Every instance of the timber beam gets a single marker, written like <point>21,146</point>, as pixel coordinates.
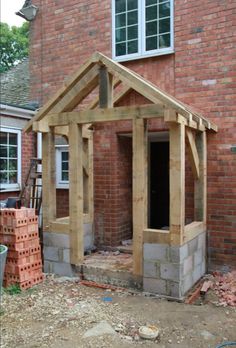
<point>194,158</point>
<point>99,115</point>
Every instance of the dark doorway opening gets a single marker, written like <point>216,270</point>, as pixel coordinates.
<point>159,185</point>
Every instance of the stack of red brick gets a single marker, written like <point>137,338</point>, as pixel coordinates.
<point>19,232</point>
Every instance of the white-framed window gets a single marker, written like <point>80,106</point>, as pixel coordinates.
<point>62,166</point>
<point>10,159</point>
<point>142,28</point>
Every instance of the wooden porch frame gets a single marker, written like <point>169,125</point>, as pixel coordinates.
<point>115,81</point>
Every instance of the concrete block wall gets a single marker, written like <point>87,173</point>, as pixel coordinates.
<point>173,270</point>
<point>56,251</point>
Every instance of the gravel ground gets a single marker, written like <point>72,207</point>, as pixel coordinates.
<point>59,312</point>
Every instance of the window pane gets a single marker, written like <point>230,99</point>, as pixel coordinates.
<point>151,43</point>
<point>3,177</point>
<point>13,151</point>
<point>164,25</point>
<point>12,164</point>
<point>3,151</point>
<point>164,41</point>
<point>64,156</point>
<point>132,17</point>
<point>120,35</point>
<point>12,139</point>
<point>151,28</point>
<point>12,177</point>
<point>3,138</point>
<point>164,10</point>
<point>64,176</point>
<point>132,4</point>
<point>133,46</point>
<point>151,2</point>
<point>120,49</point>
<point>65,165</point>
<point>3,164</point>
<point>133,32</point>
<point>120,20</point>
<point>120,6</point>
<point>151,13</point>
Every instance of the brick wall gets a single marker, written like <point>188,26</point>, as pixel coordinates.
<point>201,73</point>
<point>62,203</point>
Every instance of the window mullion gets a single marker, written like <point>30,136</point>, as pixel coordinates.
<point>141,8</point>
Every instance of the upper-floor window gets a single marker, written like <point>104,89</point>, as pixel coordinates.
<point>10,158</point>
<point>62,166</point>
<point>142,28</point>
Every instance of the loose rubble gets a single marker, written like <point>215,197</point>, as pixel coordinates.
<point>63,312</point>
<point>225,288</point>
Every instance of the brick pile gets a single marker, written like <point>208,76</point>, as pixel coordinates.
<point>19,232</point>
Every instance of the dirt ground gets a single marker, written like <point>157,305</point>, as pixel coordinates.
<point>59,312</point>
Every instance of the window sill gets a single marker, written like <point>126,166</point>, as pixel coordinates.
<point>3,190</point>
<point>62,187</point>
<point>147,55</point>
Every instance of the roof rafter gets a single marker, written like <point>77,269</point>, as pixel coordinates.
<point>86,79</point>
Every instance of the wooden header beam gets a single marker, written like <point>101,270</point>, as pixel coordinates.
<point>99,115</point>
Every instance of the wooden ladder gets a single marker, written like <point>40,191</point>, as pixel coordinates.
<point>31,193</point>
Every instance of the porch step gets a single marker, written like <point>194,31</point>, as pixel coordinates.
<point>122,279</point>
<point>109,269</point>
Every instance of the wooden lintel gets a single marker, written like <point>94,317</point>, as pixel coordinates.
<point>105,88</point>
<point>200,185</point>
<point>194,159</point>
<point>177,182</point>
<point>140,160</point>
<point>76,194</point>
<point>106,115</point>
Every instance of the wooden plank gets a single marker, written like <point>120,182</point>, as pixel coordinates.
<point>193,229</point>
<point>63,90</point>
<point>48,178</point>
<point>85,175</point>
<point>76,194</point>
<point>194,158</point>
<point>59,227</point>
<point>79,91</point>
<point>90,178</point>
<point>105,88</point>
<point>200,185</point>
<point>105,115</point>
<point>156,236</point>
<point>139,191</point>
<point>177,182</point>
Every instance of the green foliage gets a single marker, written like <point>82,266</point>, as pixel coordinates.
<point>14,45</point>
<point>13,290</point>
<point>1,248</point>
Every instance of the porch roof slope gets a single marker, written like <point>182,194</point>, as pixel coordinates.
<point>132,81</point>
